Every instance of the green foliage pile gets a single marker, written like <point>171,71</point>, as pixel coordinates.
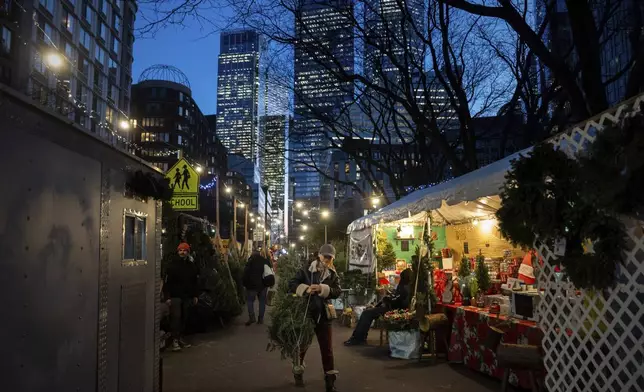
<point>358,281</point>
<point>237,262</point>
<point>215,277</point>
<point>341,263</point>
<point>290,328</point>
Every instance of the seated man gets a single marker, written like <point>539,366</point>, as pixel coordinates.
<point>399,300</point>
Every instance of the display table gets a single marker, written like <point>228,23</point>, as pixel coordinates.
<point>468,337</point>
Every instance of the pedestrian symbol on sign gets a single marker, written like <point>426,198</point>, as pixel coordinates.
<point>177,179</point>
<point>186,177</point>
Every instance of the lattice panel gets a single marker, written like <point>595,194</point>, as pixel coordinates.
<point>594,341</point>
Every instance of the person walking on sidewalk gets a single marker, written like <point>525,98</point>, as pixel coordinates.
<point>254,283</point>
<point>181,289</point>
<point>318,283</point>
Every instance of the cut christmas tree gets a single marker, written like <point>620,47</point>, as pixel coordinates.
<point>291,329</point>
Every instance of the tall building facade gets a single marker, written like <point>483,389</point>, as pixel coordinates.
<point>74,57</point>
<point>318,94</point>
<point>216,151</point>
<point>624,19</point>
<point>168,119</point>
<point>276,173</point>
<point>391,41</point>
<point>240,96</point>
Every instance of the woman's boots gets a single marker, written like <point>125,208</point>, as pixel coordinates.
<point>329,381</point>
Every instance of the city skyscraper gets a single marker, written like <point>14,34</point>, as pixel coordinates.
<point>394,57</point>
<point>317,91</point>
<point>616,48</point>
<point>74,57</point>
<point>391,39</point>
<point>240,95</point>
<point>276,129</point>
<point>276,94</point>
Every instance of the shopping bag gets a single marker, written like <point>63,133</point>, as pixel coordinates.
<point>268,277</point>
<point>404,344</point>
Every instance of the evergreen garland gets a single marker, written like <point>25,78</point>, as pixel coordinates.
<point>551,196</point>
<point>290,328</point>
<point>482,275</point>
<point>152,185</point>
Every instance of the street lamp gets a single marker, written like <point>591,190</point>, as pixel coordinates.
<point>305,228</point>
<point>124,125</point>
<point>240,204</point>
<point>325,214</point>
<point>228,189</point>
<point>305,213</point>
<point>301,238</point>
<point>54,60</point>
<point>375,201</point>
<point>199,169</point>
<point>299,204</point>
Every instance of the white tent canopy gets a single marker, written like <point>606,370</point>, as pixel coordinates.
<point>485,183</point>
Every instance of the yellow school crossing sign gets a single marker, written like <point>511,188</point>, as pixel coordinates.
<point>184,182</point>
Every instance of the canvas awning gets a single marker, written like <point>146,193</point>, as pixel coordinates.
<point>484,182</point>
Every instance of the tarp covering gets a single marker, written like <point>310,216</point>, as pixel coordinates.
<point>486,181</point>
<point>361,255</point>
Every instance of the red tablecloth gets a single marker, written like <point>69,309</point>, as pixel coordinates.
<point>469,333</point>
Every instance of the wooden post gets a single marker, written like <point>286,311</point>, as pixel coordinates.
<point>217,204</point>
<point>246,226</point>
<point>233,234</point>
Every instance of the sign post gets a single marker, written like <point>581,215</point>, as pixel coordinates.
<point>184,182</point>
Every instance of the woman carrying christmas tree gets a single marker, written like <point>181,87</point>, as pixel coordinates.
<point>318,284</point>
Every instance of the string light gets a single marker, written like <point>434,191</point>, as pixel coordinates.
<point>210,185</point>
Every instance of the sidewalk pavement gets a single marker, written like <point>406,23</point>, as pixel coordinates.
<point>235,360</point>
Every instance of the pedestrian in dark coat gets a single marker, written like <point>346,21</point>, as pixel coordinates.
<point>253,281</point>
<point>180,290</point>
<point>318,284</point>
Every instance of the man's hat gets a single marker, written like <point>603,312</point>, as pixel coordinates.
<point>183,246</point>
<point>327,250</point>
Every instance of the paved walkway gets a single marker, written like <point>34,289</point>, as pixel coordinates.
<point>235,360</point>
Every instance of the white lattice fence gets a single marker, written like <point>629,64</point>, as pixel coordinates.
<point>594,341</point>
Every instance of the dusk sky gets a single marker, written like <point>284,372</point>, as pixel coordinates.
<point>188,50</point>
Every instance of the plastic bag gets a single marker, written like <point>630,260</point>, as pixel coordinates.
<point>404,344</point>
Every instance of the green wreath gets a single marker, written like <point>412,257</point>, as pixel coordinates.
<point>550,196</point>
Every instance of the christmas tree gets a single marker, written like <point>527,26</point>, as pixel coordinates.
<point>387,258</point>
<point>482,274</point>
<point>464,270</point>
<point>291,329</point>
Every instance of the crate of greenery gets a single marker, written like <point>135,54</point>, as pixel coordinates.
<point>402,329</point>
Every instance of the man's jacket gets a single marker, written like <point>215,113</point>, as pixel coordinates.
<point>182,279</point>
